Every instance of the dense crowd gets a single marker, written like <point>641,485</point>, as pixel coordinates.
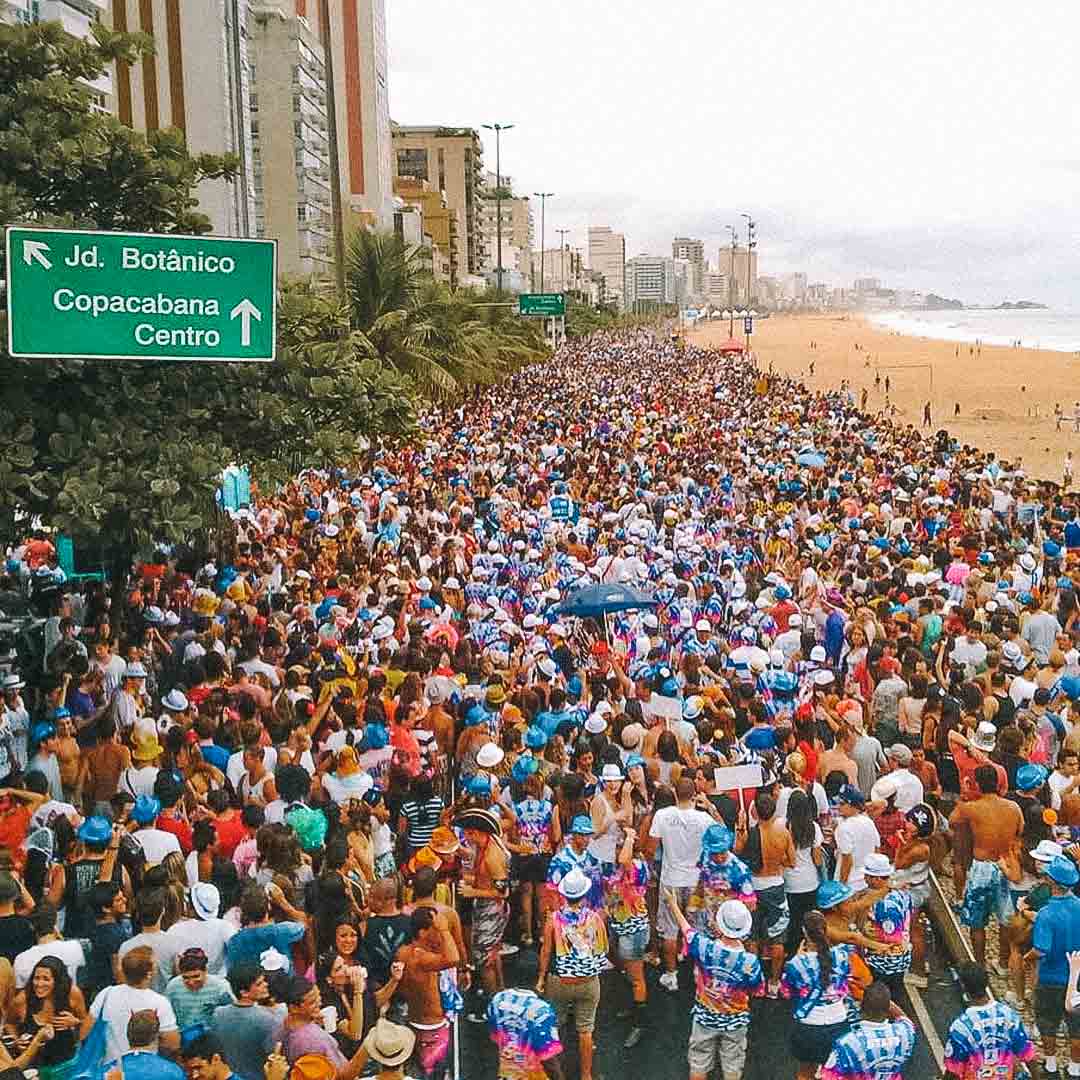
<point>286,814</point>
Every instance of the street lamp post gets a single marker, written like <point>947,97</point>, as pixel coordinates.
<point>498,129</point>
<point>543,196</point>
<point>751,243</point>
<point>731,285</point>
<point>562,258</point>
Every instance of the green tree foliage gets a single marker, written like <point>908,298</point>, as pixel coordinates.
<point>130,451</point>
<point>446,342</point>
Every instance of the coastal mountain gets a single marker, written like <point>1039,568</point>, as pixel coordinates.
<point>941,303</point>
<point>1021,305</point>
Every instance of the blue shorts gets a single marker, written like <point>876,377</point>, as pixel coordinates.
<point>987,894</point>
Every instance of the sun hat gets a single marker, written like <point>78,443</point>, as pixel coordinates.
<point>632,736</point>
<point>634,761</point>
<point>147,747</point>
<point>272,960</point>
<point>1013,656</point>
<point>523,768</point>
<point>175,701</point>
<point>312,1067</point>
<point>145,810</point>
<point>1045,851</point>
<point>478,785</point>
<point>389,1044</point>
<point>823,677</point>
<point>1030,777</point>
<point>794,619</point>
<point>495,695</point>
<point>830,894</point>
<point>877,865</point>
<point>717,839</point>
<point>536,738</point>
<point>12,682</point>
<point>985,737</point>
<point>611,773</point>
<point>489,755</point>
<point>135,670</point>
<point>582,826</point>
<point>95,831</point>
<point>479,820</point>
<point>596,724</point>
<point>817,654</point>
<point>205,900</point>
<point>547,667</point>
<point>1063,872</point>
<point>734,920</point>
<point>475,715</point>
<point>574,885</point>
<point>693,707</point>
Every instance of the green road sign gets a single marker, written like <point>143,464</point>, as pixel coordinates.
<point>543,303</point>
<point>134,296</point>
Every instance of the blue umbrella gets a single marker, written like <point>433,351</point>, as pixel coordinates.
<point>811,458</point>
<point>593,601</point>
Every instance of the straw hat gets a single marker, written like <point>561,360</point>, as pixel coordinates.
<point>389,1044</point>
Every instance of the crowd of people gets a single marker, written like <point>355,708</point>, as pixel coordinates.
<point>290,813</point>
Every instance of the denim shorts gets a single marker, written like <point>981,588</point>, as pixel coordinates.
<point>632,946</point>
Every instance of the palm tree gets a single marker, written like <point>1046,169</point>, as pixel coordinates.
<point>444,341</point>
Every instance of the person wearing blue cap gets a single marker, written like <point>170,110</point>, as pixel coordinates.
<point>155,843</point>
<point>1054,936</point>
<point>575,854</point>
<point>724,876</point>
<point>44,745</point>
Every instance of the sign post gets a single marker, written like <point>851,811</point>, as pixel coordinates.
<point>132,296</point>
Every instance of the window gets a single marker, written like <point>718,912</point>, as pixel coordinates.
<point>413,163</point>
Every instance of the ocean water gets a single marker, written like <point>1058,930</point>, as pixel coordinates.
<point>1056,330</point>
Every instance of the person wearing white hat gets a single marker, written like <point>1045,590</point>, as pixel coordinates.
<point>726,976</point>
<point>573,952</point>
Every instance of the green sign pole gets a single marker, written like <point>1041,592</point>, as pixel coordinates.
<point>136,296</point>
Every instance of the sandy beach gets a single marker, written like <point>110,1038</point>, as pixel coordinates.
<point>1006,396</point>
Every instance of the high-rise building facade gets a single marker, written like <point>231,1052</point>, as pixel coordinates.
<point>741,269</point>
<point>198,79</point>
<point>646,280</point>
<point>451,161</point>
<point>357,34</point>
<point>290,139</point>
<point>693,251</point>
<point>439,224</point>
<point>607,257</point>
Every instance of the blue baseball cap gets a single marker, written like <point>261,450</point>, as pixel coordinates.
<point>523,768</point>
<point>850,795</point>
<point>1030,777</point>
<point>476,714</point>
<point>536,738</point>
<point>145,810</point>
<point>95,831</point>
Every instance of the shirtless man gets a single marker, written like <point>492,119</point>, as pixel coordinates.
<point>431,951</point>
<point>70,759</point>
<point>490,891</point>
<point>424,885</point>
<point>995,825</point>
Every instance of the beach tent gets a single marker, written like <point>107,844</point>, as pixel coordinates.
<point>602,599</point>
<point>731,346</point>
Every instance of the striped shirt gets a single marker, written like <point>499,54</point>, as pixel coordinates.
<point>423,818</point>
<point>987,1035</point>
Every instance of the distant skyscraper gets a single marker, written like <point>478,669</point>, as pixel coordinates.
<point>607,256</point>
<point>693,251</point>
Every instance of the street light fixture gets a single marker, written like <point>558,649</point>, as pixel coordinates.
<point>543,196</point>
<point>498,129</point>
<point>751,243</point>
<point>562,258</point>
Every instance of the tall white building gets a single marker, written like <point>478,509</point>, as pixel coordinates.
<point>77,17</point>
<point>607,257</point>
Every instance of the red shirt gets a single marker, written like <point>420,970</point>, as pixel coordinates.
<point>166,822</point>
<point>231,832</point>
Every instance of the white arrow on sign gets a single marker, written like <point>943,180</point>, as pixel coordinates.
<point>247,311</point>
<point>33,251</point>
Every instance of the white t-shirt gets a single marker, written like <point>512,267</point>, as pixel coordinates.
<point>70,953</point>
<point>803,878</point>
<point>156,844</point>
<point>821,800</point>
<point>680,831</point>
<point>235,768</point>
<point>858,837</point>
<point>138,781</point>
<point>118,1003</point>
<point>210,935</point>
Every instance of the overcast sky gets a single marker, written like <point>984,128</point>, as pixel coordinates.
<point>935,145</point>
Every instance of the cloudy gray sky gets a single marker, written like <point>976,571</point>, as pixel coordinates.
<point>935,145</point>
